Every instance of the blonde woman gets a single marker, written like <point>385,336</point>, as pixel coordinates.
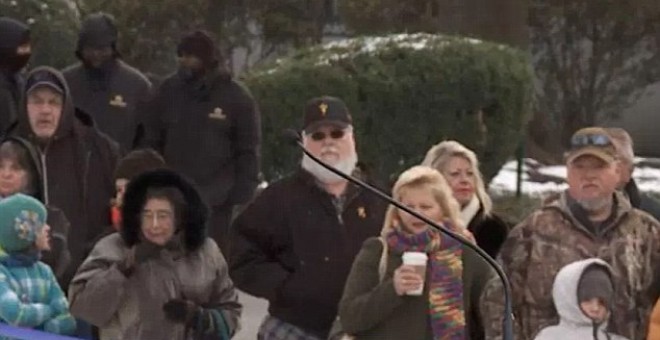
<point>460,167</point>
<point>375,307</point>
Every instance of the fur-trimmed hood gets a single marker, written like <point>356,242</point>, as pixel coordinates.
<point>194,217</point>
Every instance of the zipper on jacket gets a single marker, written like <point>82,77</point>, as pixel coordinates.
<point>88,156</point>
<point>339,203</point>
<point>348,199</point>
<point>42,155</point>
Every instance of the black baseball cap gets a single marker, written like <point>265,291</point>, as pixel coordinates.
<point>44,78</point>
<point>326,110</point>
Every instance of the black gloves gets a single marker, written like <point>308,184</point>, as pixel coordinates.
<point>144,251</point>
<point>183,311</point>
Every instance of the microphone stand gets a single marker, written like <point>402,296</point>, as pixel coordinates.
<point>507,326</point>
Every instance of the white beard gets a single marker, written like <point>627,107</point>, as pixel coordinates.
<point>595,205</point>
<point>345,166</point>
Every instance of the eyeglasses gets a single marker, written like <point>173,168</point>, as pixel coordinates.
<point>334,134</point>
<point>161,215</point>
<point>590,140</point>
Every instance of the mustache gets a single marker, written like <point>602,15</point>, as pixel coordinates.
<point>329,149</point>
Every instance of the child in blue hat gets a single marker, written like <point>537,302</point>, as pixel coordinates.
<point>29,293</point>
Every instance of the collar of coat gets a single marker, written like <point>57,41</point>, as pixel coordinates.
<point>622,207</point>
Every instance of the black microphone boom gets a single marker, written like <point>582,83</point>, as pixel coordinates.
<point>292,136</point>
<point>295,138</point>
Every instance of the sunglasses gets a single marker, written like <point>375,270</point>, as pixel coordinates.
<point>590,140</point>
<point>334,134</point>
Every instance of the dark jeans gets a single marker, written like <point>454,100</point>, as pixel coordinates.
<point>84,330</point>
<point>219,226</point>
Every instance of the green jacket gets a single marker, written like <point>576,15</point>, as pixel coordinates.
<point>371,309</point>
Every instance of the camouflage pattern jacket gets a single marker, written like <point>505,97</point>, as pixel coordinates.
<point>551,238</point>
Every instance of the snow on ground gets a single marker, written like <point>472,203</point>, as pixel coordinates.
<point>504,184</point>
<point>647,176</point>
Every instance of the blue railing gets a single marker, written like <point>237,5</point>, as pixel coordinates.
<point>10,332</point>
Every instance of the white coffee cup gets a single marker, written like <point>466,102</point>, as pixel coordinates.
<point>418,261</point>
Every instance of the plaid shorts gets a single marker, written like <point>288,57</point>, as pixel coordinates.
<point>275,329</point>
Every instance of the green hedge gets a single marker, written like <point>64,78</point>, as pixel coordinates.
<point>406,93</point>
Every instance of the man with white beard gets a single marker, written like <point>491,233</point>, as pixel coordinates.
<point>589,220</point>
<point>295,244</point>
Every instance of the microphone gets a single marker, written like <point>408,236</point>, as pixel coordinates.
<point>295,138</point>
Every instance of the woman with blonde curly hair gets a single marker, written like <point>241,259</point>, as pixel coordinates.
<point>378,300</point>
<point>460,167</point>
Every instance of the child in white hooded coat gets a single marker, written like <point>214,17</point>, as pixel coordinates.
<point>582,293</point>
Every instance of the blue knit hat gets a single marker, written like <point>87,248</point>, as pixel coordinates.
<point>21,219</point>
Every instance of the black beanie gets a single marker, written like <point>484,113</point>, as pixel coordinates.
<point>13,33</point>
<point>137,162</point>
<point>98,30</point>
<point>201,45</point>
<point>596,282</point>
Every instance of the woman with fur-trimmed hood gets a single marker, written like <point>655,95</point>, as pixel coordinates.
<point>460,167</point>
<point>160,277</point>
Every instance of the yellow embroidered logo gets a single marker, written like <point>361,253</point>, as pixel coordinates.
<point>362,212</point>
<point>324,108</point>
<point>118,101</point>
<point>217,114</point>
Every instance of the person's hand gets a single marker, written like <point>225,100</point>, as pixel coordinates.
<point>144,251</point>
<point>469,236</point>
<point>183,311</point>
<point>406,279</point>
<point>139,253</point>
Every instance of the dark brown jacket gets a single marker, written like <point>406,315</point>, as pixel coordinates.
<point>12,34</point>
<point>489,232</point>
<point>78,164</point>
<point>292,248</point>
<point>113,106</point>
<point>210,131</point>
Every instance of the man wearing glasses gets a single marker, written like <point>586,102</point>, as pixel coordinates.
<point>294,245</point>
<point>589,220</point>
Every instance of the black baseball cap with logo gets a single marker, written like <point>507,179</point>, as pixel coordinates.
<point>44,78</point>
<point>326,110</point>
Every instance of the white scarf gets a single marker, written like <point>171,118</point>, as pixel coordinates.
<point>470,211</point>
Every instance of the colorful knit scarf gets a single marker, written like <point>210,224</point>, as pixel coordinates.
<point>444,278</point>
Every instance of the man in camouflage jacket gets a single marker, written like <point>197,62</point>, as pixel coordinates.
<point>589,220</point>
